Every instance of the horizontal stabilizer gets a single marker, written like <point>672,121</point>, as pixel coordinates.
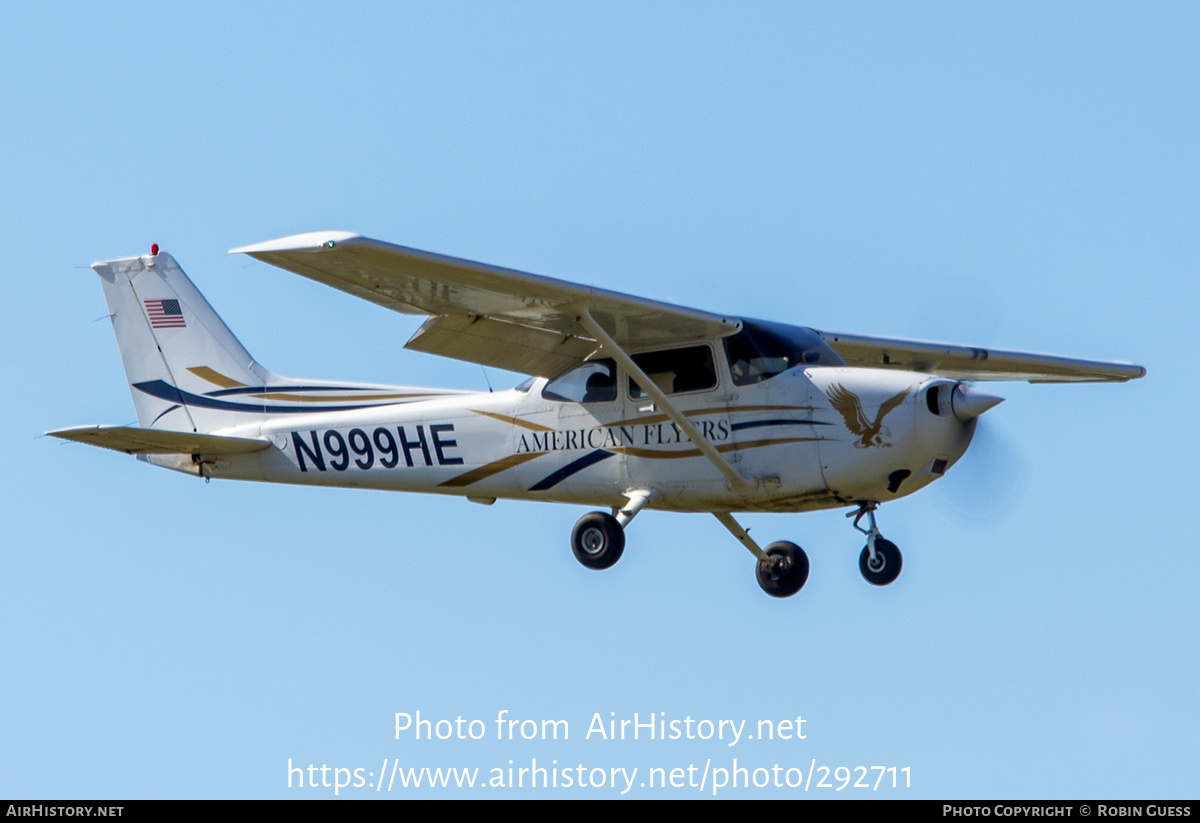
<point>134,440</point>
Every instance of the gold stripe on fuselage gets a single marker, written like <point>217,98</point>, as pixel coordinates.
<point>655,454</point>
<point>662,418</point>
<point>215,377</point>
<point>486,471</point>
<point>516,421</point>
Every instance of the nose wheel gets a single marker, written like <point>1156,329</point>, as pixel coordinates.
<point>884,567</point>
<point>880,561</point>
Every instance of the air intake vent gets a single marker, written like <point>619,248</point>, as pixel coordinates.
<point>931,399</point>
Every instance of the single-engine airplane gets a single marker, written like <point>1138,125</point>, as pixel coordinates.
<point>633,403</point>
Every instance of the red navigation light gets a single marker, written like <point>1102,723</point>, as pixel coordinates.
<point>154,248</point>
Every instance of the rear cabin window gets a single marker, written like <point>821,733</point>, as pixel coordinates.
<point>675,371</point>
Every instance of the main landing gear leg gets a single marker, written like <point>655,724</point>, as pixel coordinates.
<point>880,561</point>
<point>598,539</point>
<point>782,569</point>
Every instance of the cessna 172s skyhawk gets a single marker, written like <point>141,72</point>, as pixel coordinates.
<point>634,403</point>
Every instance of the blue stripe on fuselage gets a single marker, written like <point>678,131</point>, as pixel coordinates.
<point>165,391</point>
<point>553,479</point>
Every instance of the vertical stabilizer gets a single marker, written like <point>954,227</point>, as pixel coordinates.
<point>175,348</point>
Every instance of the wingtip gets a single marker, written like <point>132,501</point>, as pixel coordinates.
<point>311,241</point>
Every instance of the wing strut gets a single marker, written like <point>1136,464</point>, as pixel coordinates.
<point>650,388</point>
<point>742,535</point>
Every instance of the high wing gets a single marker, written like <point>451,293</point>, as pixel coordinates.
<point>541,326</point>
<point>486,314</point>
<point>973,363</point>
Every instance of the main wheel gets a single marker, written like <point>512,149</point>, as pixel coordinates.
<point>886,567</point>
<point>598,540</point>
<point>786,572</point>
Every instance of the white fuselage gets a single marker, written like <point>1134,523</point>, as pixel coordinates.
<point>787,436</point>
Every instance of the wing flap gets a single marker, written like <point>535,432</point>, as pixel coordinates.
<point>419,282</point>
<point>974,363</point>
<point>133,440</point>
<point>502,345</point>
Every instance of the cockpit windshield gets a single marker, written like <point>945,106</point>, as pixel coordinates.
<point>762,350</point>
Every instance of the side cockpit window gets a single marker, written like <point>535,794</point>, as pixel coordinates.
<point>675,371</point>
<point>594,381</point>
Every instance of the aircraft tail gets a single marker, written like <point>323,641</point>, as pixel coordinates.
<point>186,370</point>
<point>174,346</point>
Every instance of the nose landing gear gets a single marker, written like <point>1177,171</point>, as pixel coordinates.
<point>880,561</point>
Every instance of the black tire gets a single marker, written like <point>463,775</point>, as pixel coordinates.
<point>785,576</point>
<point>598,540</point>
<point>889,561</point>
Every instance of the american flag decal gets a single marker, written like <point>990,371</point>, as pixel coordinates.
<point>165,314</point>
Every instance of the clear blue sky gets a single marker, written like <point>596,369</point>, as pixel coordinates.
<point>1017,175</point>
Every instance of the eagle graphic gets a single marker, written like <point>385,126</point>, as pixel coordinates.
<point>850,407</point>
